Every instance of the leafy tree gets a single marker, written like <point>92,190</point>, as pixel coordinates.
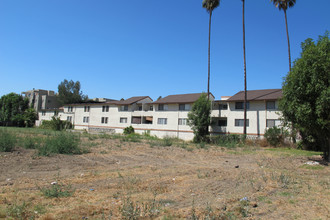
<point>30,116</point>
<point>199,118</point>
<point>69,92</point>
<point>306,94</point>
<point>210,5</point>
<point>284,5</point>
<point>12,108</point>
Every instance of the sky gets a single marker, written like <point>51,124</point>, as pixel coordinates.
<point>119,49</point>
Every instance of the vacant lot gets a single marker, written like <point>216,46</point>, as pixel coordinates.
<point>147,178</point>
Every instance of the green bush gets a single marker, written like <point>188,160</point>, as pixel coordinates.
<point>129,130</point>
<point>61,143</point>
<point>275,136</point>
<point>57,190</point>
<point>56,124</point>
<point>7,141</point>
<point>227,140</point>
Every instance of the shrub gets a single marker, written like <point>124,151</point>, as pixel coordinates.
<point>61,143</point>
<point>227,140</point>
<point>274,136</point>
<point>129,130</point>
<point>57,190</point>
<point>7,141</point>
<point>56,124</point>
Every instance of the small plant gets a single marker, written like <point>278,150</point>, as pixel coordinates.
<point>129,209</point>
<point>7,141</point>
<point>167,142</point>
<point>57,190</point>
<point>30,143</point>
<point>274,136</point>
<point>62,143</point>
<point>129,130</point>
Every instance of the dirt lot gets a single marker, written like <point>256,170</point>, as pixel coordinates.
<point>120,179</point>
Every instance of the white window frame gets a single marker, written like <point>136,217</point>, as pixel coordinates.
<point>182,121</point>
<point>86,108</point>
<point>104,120</point>
<point>240,122</point>
<point>123,120</point>
<point>162,121</point>
<point>85,119</point>
<point>105,108</point>
<point>242,103</point>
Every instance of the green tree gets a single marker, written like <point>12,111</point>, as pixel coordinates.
<point>210,5</point>
<point>306,94</point>
<point>284,5</point>
<point>30,116</point>
<point>69,92</point>
<point>199,118</point>
<point>12,108</point>
<point>244,56</point>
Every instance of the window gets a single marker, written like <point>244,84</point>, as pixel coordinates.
<point>123,120</point>
<point>151,108</point>
<point>140,107</point>
<point>136,120</point>
<point>184,107</point>
<point>70,109</point>
<point>240,122</point>
<point>85,119</point>
<point>162,121</point>
<point>240,105</point>
<point>270,104</point>
<point>124,108</point>
<point>55,112</point>
<point>223,107</point>
<point>104,120</point>
<point>272,123</point>
<point>86,108</point>
<point>222,122</point>
<point>105,108</point>
<point>182,121</point>
<point>69,118</point>
<point>43,113</point>
<point>162,107</point>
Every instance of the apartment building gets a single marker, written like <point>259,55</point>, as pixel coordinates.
<point>41,99</point>
<point>168,116</point>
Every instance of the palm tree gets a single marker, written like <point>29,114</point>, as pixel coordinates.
<point>284,5</point>
<point>245,87</point>
<point>210,5</point>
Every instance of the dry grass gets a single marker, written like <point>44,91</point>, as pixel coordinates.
<point>134,180</point>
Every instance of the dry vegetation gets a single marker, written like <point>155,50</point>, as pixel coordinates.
<point>123,178</point>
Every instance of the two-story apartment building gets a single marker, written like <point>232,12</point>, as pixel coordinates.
<point>168,116</point>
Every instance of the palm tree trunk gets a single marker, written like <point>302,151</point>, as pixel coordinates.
<point>244,54</point>
<point>209,58</point>
<point>287,35</point>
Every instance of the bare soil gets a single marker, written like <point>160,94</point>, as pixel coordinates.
<point>251,183</point>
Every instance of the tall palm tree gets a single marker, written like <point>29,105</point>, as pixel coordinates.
<point>284,5</point>
<point>210,5</point>
<point>245,87</point>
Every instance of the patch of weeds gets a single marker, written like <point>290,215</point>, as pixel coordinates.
<point>7,141</point>
<point>283,179</point>
<point>201,175</point>
<point>202,145</point>
<point>103,152</point>
<point>61,143</point>
<point>243,208</point>
<point>31,143</point>
<point>131,138</point>
<point>136,210</point>
<point>182,145</point>
<point>312,167</point>
<point>293,152</point>
<point>228,140</point>
<point>285,194</point>
<point>57,190</point>
<point>24,210</point>
<point>167,142</point>
<point>105,136</point>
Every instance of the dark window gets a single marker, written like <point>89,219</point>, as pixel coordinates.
<point>161,107</point>
<point>240,122</point>
<point>182,107</point>
<point>270,104</point>
<point>223,106</point>
<point>222,122</point>
<point>240,105</point>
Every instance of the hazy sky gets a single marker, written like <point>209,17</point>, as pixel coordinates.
<point>118,49</point>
